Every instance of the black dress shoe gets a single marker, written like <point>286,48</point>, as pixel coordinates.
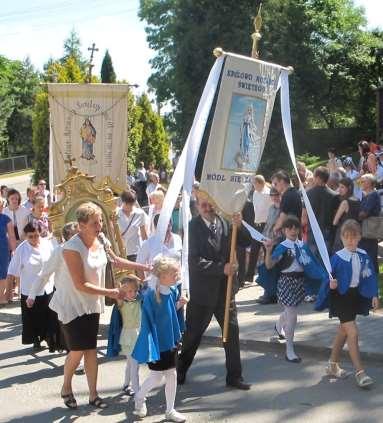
<point>37,346</point>
<point>266,300</point>
<point>239,384</point>
<point>181,377</point>
<point>293,360</point>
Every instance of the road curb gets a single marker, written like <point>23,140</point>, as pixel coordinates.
<point>302,349</point>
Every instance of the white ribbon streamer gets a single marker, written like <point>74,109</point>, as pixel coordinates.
<point>184,172</point>
<point>286,121</point>
<point>254,233</point>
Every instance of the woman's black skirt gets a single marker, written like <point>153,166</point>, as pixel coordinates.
<point>35,320</point>
<point>168,360</point>
<point>347,306</point>
<point>81,333</point>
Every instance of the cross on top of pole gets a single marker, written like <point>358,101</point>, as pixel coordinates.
<point>90,65</point>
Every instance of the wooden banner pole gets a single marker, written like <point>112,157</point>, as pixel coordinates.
<point>229,289</point>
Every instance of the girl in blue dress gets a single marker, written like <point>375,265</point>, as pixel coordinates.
<point>7,245</point>
<point>161,326</point>
<point>353,290</point>
<point>294,262</point>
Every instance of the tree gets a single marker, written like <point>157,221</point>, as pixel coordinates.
<point>18,85</point>
<point>72,48</point>
<point>135,128</point>
<point>6,105</point>
<point>154,145</point>
<point>107,71</point>
<point>24,86</point>
<point>40,128</point>
<point>324,40</point>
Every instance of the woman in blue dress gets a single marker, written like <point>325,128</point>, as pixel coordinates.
<point>7,245</point>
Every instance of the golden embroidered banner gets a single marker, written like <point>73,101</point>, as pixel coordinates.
<point>88,122</point>
<point>239,129</point>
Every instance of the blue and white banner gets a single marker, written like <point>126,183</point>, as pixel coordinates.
<point>239,130</point>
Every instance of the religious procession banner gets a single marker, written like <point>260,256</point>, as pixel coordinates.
<point>88,123</point>
<point>239,129</point>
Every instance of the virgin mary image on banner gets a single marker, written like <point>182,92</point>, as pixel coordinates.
<point>243,144</point>
<point>88,138</point>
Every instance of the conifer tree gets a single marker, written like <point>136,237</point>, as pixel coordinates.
<point>107,71</point>
<point>154,146</point>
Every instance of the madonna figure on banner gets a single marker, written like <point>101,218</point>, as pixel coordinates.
<point>88,137</point>
<point>243,143</point>
<point>248,133</point>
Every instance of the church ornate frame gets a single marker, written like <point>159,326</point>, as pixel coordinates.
<point>78,188</point>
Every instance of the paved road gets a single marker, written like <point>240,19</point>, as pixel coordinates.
<point>281,392</point>
<point>19,182</point>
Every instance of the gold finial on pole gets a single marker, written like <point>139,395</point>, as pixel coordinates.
<point>256,36</point>
<point>218,52</point>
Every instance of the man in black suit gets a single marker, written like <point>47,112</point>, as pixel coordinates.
<point>209,267</point>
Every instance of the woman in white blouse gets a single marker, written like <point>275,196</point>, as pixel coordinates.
<point>78,299</point>
<point>26,264</point>
<point>132,224</point>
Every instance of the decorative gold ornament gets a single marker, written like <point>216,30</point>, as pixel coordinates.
<point>256,36</point>
<point>218,52</point>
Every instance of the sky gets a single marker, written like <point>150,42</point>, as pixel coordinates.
<point>38,28</point>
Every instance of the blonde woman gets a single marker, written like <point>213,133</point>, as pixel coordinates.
<point>161,327</point>
<point>78,300</point>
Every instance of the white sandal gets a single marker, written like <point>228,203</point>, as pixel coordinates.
<point>363,380</point>
<point>333,369</point>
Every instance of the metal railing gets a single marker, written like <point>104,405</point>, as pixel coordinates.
<point>14,164</point>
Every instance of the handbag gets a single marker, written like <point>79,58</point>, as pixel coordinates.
<point>372,227</point>
<point>110,282</point>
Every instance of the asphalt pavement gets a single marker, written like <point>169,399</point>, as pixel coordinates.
<point>281,392</point>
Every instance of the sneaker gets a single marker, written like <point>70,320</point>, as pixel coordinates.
<point>140,409</point>
<point>175,416</point>
<point>333,369</point>
<point>363,380</point>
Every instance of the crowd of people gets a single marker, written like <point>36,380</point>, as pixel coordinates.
<point>61,285</point>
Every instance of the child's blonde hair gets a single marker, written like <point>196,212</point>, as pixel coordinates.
<point>162,265</point>
<point>130,279</point>
<point>352,227</point>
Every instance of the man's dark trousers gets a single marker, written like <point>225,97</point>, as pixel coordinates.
<point>198,318</point>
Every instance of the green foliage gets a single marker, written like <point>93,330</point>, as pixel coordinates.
<point>41,136</point>
<point>72,48</point>
<point>107,71</point>
<point>135,129</point>
<point>154,145</point>
<point>333,55</point>
<point>6,105</point>
<point>18,85</point>
<point>308,159</point>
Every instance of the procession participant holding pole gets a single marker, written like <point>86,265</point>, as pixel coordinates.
<point>209,270</point>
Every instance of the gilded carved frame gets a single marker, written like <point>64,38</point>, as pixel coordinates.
<point>79,188</point>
